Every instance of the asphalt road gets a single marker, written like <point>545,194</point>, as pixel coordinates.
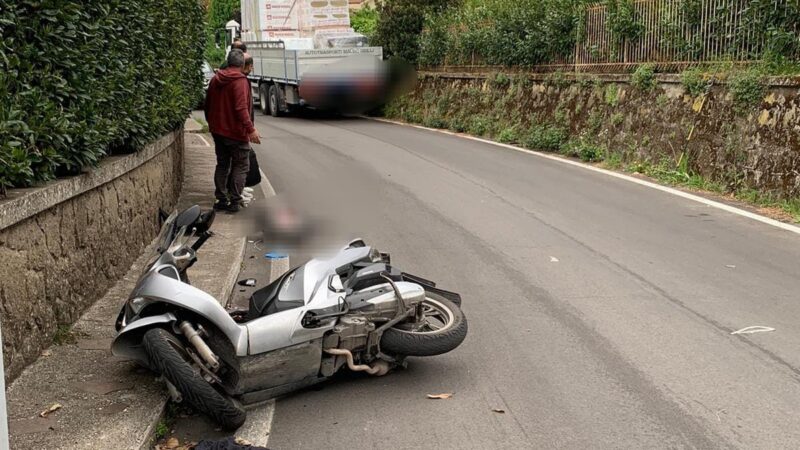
<point>600,311</point>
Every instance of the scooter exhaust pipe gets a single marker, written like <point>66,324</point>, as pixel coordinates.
<point>202,348</point>
<point>379,368</point>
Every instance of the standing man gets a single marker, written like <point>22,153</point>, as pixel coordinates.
<point>228,105</point>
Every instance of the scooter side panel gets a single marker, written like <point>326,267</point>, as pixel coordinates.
<point>161,288</point>
<point>280,367</point>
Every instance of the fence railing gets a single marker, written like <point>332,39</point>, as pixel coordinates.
<point>673,33</point>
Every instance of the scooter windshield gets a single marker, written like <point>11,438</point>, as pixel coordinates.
<point>167,233</point>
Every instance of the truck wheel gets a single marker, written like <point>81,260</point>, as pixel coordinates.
<point>263,99</point>
<point>274,107</point>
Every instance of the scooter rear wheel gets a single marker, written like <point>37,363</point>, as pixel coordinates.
<point>166,355</point>
<point>442,329</point>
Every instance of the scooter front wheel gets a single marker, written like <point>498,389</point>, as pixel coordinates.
<point>166,355</point>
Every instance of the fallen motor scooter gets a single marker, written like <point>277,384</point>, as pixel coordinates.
<point>353,310</point>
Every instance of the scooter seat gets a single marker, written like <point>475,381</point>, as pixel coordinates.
<point>265,301</point>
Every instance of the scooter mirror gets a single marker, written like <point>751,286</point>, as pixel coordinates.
<point>188,217</point>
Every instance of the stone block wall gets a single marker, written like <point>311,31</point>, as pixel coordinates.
<point>756,146</point>
<point>63,245</point>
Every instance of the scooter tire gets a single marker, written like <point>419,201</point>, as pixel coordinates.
<point>160,346</point>
<point>398,341</point>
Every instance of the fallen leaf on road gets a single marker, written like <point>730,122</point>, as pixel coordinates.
<point>553,259</point>
<point>499,411</point>
<point>54,408</point>
<point>172,443</point>
<point>753,329</point>
<point>439,396</point>
<point>47,353</point>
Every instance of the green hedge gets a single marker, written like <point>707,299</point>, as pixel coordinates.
<point>83,79</point>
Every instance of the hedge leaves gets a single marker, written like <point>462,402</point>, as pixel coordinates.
<point>82,79</point>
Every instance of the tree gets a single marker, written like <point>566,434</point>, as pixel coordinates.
<point>400,24</point>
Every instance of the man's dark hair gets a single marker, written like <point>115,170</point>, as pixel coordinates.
<point>236,58</point>
<point>240,45</point>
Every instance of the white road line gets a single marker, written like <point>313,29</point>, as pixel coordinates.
<point>696,198</point>
<point>203,139</point>
<point>266,186</point>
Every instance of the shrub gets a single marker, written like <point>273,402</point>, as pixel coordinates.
<point>83,79</point>
<point>479,126</point>
<point>694,81</point>
<point>508,136</point>
<point>747,88</point>
<point>583,149</point>
<point>644,78</point>
<point>364,21</point>
<point>545,137</point>
<point>612,95</point>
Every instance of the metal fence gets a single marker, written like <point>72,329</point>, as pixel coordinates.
<point>674,34</point>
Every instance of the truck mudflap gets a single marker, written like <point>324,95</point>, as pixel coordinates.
<point>430,286</point>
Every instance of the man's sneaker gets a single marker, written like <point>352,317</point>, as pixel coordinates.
<point>220,205</point>
<point>248,190</point>
<point>231,208</point>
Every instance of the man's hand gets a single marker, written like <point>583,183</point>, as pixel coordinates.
<point>255,138</point>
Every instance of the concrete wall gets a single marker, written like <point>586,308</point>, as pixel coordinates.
<point>64,244</point>
<point>757,146</point>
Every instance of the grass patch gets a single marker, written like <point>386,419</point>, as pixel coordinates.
<point>66,335</point>
<point>612,95</point>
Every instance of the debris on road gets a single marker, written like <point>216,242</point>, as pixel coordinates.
<point>248,282</point>
<point>754,329</point>
<point>440,396</point>
<point>730,266</point>
<point>499,411</point>
<point>553,259</point>
<point>52,409</point>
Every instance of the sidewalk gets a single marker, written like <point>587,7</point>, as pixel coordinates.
<point>106,402</point>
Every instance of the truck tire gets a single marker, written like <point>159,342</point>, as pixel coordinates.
<point>448,333</point>
<point>164,354</point>
<point>274,102</point>
<point>263,99</point>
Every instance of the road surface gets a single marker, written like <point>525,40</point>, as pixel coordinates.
<point>600,311</point>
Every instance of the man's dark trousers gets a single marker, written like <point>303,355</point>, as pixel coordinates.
<point>233,162</point>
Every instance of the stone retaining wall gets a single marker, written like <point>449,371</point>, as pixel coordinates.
<point>753,147</point>
<point>64,244</point>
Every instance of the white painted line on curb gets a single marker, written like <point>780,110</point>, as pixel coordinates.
<point>204,140</point>
<point>728,208</point>
<point>259,423</point>
<point>260,416</point>
<point>266,186</point>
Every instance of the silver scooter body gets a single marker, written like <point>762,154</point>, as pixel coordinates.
<point>269,355</point>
